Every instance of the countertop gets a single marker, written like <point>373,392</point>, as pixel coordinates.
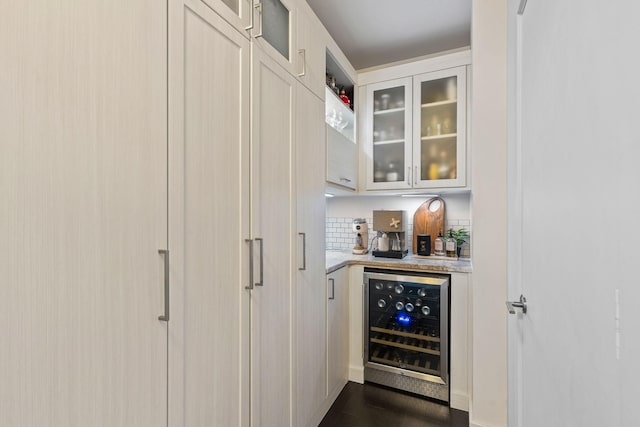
<point>338,259</point>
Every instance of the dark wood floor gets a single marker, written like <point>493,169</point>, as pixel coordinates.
<point>370,405</point>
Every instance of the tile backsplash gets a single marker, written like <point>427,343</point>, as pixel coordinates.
<point>340,235</point>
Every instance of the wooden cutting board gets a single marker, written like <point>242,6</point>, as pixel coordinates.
<point>428,219</point>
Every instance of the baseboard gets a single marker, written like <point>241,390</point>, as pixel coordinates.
<point>356,374</point>
<point>459,401</point>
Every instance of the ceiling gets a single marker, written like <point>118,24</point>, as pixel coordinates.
<point>376,32</point>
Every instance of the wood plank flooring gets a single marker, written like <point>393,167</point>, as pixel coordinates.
<point>369,405</point>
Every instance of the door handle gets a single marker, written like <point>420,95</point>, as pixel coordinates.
<point>250,241</point>
<point>513,305</point>
<point>258,6</point>
<point>333,288</point>
<point>250,27</point>
<point>261,283</point>
<point>304,251</point>
<point>303,53</point>
<point>165,317</point>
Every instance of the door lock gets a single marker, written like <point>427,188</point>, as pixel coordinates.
<point>513,305</point>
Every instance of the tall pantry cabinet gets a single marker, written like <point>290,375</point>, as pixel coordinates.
<point>209,200</point>
<point>83,213</point>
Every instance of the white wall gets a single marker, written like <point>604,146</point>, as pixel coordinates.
<point>488,199</point>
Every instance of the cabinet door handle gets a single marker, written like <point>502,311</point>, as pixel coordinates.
<point>333,288</point>
<point>409,176</point>
<point>165,253</point>
<point>303,53</point>
<point>344,179</point>
<point>261,283</point>
<point>258,6</point>
<point>250,241</point>
<point>304,251</point>
<point>250,27</point>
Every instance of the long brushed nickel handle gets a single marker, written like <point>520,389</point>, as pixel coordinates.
<point>259,7</point>
<point>250,241</point>
<point>304,251</point>
<point>165,254</point>
<point>261,282</point>
<point>333,288</point>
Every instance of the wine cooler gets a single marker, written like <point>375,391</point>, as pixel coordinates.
<point>406,337</point>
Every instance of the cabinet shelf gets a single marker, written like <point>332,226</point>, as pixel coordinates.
<point>388,111</point>
<point>336,110</point>
<point>439,103</point>
<point>442,136</point>
<point>389,141</point>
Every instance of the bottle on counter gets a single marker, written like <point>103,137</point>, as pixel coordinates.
<point>439,245</point>
<point>450,245</point>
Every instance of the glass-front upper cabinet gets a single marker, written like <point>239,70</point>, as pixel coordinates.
<point>273,30</point>
<point>236,12</point>
<point>439,124</point>
<point>388,135</point>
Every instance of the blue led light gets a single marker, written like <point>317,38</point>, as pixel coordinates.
<point>403,318</point>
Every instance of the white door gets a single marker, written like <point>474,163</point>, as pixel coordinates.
<point>272,228</point>
<point>573,207</point>
<point>83,213</point>
<point>209,218</point>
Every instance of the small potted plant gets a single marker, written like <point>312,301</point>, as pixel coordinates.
<point>460,237</point>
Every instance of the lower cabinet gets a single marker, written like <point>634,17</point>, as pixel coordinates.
<point>337,332</point>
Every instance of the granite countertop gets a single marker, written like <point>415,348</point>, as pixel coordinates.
<point>338,259</point>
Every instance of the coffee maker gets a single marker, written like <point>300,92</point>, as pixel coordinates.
<point>390,226</point>
<point>361,228</point>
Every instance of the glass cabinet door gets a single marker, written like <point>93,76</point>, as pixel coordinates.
<point>389,135</point>
<point>273,30</point>
<point>439,129</point>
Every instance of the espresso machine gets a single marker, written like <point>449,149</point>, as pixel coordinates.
<point>361,228</point>
<point>391,229</point>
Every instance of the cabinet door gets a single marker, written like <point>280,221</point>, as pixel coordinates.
<point>312,54</point>
<point>274,31</point>
<point>439,152</point>
<point>209,213</point>
<point>237,12</point>
<point>310,310</point>
<point>83,196</point>
<point>337,331</point>
<point>388,135</point>
<point>272,222</point>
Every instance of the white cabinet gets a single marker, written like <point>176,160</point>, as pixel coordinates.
<point>388,135</point>
<point>83,172</point>
<point>341,145</point>
<point>310,326</point>
<point>337,332</point>
<point>209,218</point>
<point>311,50</point>
<point>272,228</point>
<point>414,126</point>
<point>274,31</point>
<point>439,128</point>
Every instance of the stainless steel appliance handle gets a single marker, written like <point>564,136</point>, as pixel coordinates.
<point>250,241</point>
<point>303,53</point>
<point>250,27</point>
<point>261,283</point>
<point>165,254</point>
<point>259,7</point>
<point>522,305</point>
<point>304,251</point>
<point>333,288</point>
